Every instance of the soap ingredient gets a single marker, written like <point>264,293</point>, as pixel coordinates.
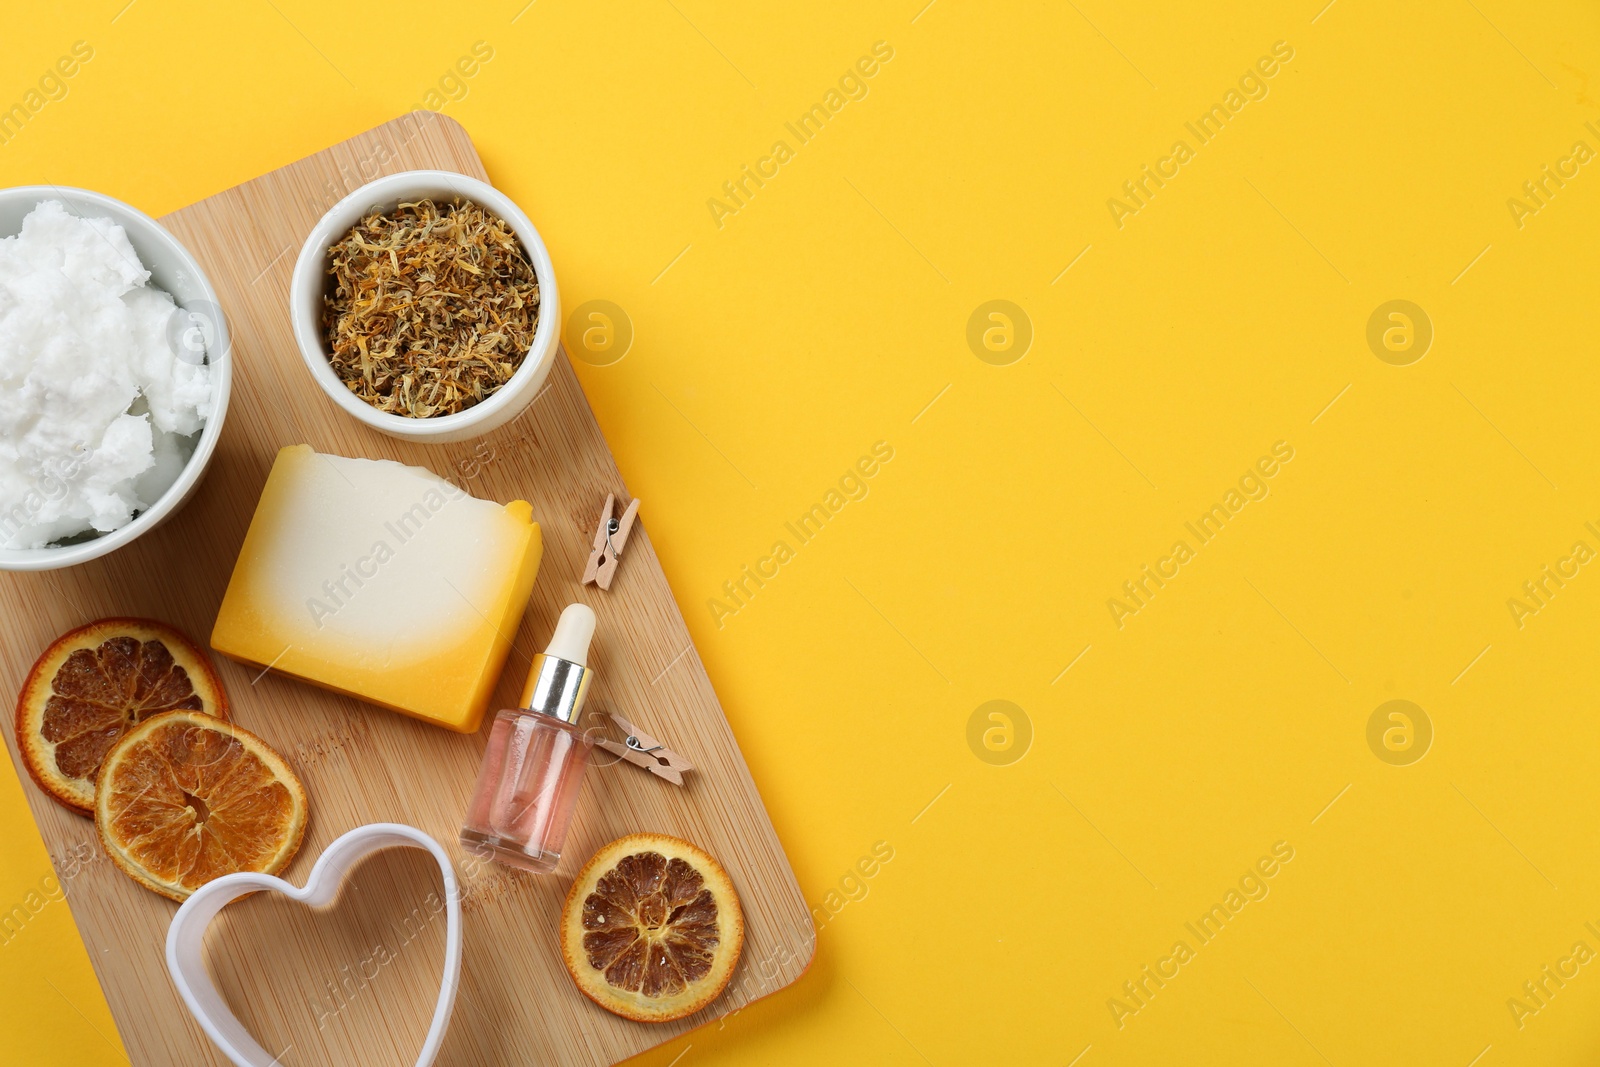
<point>431,308</point>
<point>527,789</point>
<point>94,399</point>
<point>652,928</point>
<point>185,798</point>
<point>532,770</point>
<point>95,683</point>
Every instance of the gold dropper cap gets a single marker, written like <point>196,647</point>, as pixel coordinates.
<point>559,680</point>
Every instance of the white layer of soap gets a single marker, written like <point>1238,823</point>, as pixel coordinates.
<point>94,400</point>
<point>378,562</point>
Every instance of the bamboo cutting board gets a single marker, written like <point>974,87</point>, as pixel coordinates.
<point>357,983</point>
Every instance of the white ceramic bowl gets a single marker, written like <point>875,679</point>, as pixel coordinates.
<point>173,269</point>
<point>309,285</point>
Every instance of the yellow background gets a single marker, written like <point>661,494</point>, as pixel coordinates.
<point>827,314</point>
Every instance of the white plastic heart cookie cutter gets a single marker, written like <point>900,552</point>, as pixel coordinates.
<point>186,935</point>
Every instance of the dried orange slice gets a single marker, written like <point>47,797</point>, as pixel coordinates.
<point>652,928</point>
<point>95,682</point>
<point>184,798</point>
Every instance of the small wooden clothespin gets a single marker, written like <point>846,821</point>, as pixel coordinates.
<point>609,541</point>
<point>642,750</point>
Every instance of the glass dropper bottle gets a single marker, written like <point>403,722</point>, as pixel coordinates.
<point>533,766</point>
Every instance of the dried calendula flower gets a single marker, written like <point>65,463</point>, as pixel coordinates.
<point>430,309</point>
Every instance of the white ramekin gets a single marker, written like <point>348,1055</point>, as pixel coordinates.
<point>309,285</point>
<point>173,269</point>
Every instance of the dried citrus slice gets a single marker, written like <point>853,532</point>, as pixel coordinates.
<point>652,928</point>
<point>95,682</point>
<point>184,798</point>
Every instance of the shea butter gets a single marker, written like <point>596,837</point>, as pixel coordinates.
<point>382,581</point>
<point>97,408</point>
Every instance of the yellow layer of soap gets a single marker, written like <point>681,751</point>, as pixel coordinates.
<point>381,581</point>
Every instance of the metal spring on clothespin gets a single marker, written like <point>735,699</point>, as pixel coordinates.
<point>638,746</point>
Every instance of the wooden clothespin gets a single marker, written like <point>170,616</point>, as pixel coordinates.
<point>609,541</point>
<point>642,750</point>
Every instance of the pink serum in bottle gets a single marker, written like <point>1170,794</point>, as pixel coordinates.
<point>533,767</point>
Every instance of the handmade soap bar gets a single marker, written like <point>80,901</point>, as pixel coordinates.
<point>382,581</point>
